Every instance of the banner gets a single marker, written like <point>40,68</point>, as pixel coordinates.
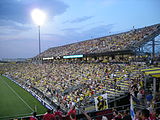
<point>101,102</point>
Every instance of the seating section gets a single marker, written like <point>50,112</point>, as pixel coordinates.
<point>68,83</point>
<point>80,83</point>
<point>122,41</point>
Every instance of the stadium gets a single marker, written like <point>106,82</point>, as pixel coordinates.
<point>75,75</point>
<point>112,67</point>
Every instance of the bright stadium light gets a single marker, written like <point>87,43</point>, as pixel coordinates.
<point>38,17</point>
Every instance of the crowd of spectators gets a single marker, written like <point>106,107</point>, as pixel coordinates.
<point>77,84</point>
<point>116,42</point>
<point>56,115</point>
<point>143,114</point>
<point>73,83</point>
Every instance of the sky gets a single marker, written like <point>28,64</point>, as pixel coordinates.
<point>68,21</point>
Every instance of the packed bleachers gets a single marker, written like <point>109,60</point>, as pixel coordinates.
<point>78,83</point>
<point>116,42</point>
<point>70,84</point>
<point>75,82</point>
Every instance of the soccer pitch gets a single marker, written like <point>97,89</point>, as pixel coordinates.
<point>16,102</point>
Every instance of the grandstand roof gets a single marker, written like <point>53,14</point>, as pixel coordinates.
<point>123,43</point>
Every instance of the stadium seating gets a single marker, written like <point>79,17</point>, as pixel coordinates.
<point>116,42</point>
<point>74,82</point>
<point>80,82</point>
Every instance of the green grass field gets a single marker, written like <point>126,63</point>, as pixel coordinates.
<point>15,101</point>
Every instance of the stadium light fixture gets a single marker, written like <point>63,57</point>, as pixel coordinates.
<point>38,17</point>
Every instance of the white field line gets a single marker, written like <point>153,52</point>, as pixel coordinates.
<point>15,116</point>
<point>18,96</point>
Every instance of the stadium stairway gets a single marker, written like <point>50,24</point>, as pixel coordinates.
<point>150,37</point>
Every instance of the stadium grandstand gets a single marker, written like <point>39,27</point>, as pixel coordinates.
<point>130,40</point>
<point>101,77</point>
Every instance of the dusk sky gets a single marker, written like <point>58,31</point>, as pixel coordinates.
<point>68,21</point>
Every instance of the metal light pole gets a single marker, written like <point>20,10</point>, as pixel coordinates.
<point>38,17</point>
<point>39,38</point>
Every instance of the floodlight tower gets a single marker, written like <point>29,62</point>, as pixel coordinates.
<point>38,17</point>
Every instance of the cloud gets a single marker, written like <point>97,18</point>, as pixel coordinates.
<point>78,20</point>
<point>19,10</point>
<point>97,31</point>
<point>72,36</point>
<point>14,25</point>
<point>9,28</point>
<point>100,29</point>
<point>15,14</point>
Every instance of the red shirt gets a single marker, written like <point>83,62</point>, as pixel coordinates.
<point>72,111</point>
<point>33,118</point>
<point>152,117</point>
<point>48,116</point>
<point>58,113</point>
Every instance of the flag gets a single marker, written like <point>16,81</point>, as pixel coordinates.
<point>101,102</point>
<point>132,113</point>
